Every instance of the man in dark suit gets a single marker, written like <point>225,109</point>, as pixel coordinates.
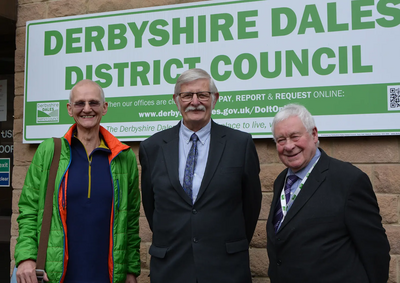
<point>329,230</point>
<point>201,194</point>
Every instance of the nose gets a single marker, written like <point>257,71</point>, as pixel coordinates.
<point>195,100</point>
<point>289,145</point>
<point>87,107</point>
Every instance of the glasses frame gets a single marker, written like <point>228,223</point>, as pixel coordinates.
<point>199,94</point>
<point>94,104</point>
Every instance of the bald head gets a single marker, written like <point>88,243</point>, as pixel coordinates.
<point>86,82</point>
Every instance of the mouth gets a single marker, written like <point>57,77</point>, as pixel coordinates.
<point>292,155</point>
<point>87,116</point>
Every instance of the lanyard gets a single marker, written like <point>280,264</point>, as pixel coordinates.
<point>291,200</point>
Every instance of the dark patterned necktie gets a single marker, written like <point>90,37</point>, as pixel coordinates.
<point>190,166</point>
<point>278,211</point>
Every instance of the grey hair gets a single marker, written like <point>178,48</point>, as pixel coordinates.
<point>297,110</point>
<point>86,81</point>
<point>193,75</point>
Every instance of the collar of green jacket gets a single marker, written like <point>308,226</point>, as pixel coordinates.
<point>112,142</point>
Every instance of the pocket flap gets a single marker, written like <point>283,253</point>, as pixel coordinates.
<point>157,252</point>
<point>238,246</point>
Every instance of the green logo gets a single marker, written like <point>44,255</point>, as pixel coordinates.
<point>48,112</point>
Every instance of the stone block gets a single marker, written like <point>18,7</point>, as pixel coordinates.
<point>265,205</point>
<point>98,6</point>
<point>30,12</point>
<point>144,255</point>
<point>19,92</point>
<point>386,178</point>
<point>19,173</point>
<point>20,36</point>
<point>24,2</point>
<point>268,174</point>
<point>64,8</point>
<point>260,235</point>
<point>23,153</point>
<point>18,125</point>
<point>19,60</point>
<point>145,232</point>
<point>326,144</point>
<point>144,276</point>
<point>15,199</point>
<point>13,242</point>
<point>367,149</point>
<point>393,234</point>
<point>266,150</point>
<point>259,262</point>
<point>389,207</point>
<point>14,224</point>
<point>260,280</point>
<point>142,210</point>
<point>12,264</point>
<point>393,269</point>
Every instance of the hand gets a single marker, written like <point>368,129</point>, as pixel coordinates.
<point>130,278</point>
<point>26,272</point>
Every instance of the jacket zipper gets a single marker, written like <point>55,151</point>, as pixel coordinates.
<point>90,177</point>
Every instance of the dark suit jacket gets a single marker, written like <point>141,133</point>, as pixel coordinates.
<point>333,231</point>
<point>207,241</point>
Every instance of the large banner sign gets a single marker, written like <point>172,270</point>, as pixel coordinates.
<point>339,59</point>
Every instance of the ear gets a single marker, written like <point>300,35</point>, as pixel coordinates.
<point>315,135</point>
<point>69,108</point>
<point>216,96</point>
<point>175,97</point>
<point>105,108</point>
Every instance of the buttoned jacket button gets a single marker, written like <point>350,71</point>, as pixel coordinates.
<point>194,211</point>
<point>195,240</point>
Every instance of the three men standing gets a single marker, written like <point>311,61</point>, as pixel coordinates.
<point>201,192</point>
<point>202,197</point>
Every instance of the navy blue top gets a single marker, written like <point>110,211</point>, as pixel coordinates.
<point>89,201</point>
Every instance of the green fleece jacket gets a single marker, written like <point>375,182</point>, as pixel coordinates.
<point>124,256</point>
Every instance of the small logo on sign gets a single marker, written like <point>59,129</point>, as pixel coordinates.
<point>48,112</point>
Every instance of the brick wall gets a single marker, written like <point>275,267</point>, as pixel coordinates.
<point>379,157</point>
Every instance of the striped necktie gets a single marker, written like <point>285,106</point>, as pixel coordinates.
<point>278,211</point>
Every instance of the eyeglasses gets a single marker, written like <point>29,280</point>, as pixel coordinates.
<point>201,95</point>
<point>81,104</point>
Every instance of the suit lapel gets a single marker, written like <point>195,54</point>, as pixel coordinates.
<point>314,181</point>
<point>171,158</point>
<point>217,145</point>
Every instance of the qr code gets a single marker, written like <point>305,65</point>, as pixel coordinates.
<point>393,97</point>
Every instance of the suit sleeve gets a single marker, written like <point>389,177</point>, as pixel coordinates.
<point>364,223</point>
<point>251,187</point>
<point>147,190</point>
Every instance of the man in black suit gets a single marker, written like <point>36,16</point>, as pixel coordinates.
<point>202,220</point>
<point>328,230</point>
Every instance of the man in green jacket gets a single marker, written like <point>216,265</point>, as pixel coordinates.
<point>94,234</point>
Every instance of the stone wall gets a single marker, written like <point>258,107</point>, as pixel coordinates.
<point>379,157</point>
